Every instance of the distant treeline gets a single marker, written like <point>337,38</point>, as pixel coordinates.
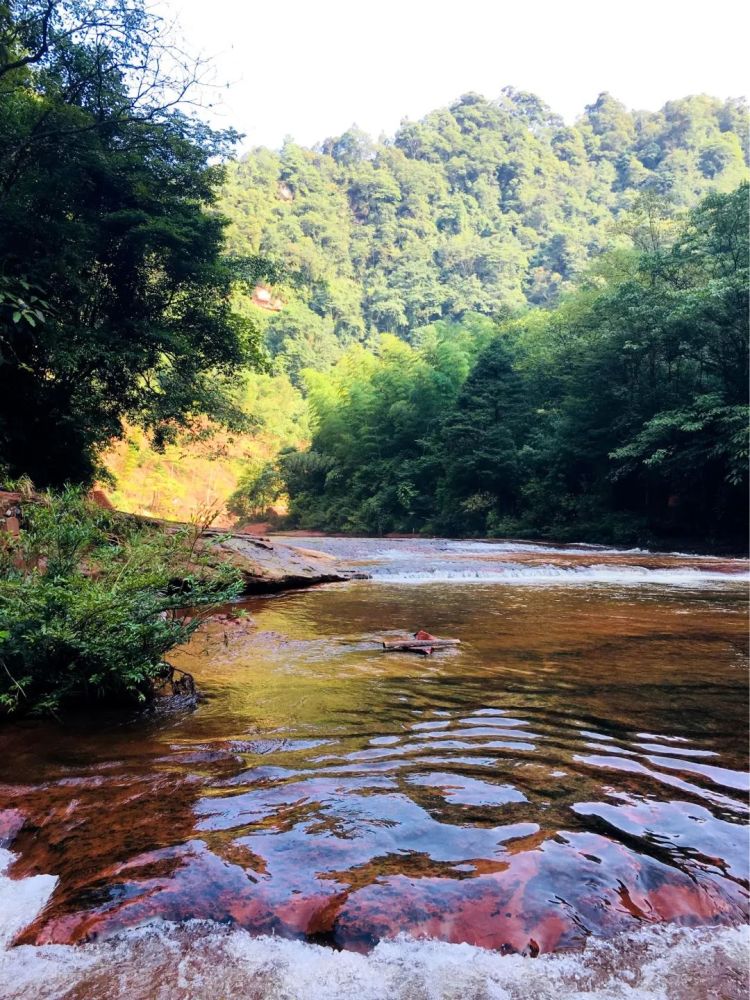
<point>618,415</point>
<point>482,207</point>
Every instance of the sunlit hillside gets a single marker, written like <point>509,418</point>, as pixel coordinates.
<point>198,472</point>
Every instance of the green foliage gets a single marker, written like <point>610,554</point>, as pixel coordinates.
<point>480,444</point>
<point>372,466</point>
<point>204,463</point>
<point>260,486</point>
<point>20,304</point>
<point>478,208</point>
<point>500,322</point>
<point>619,415</point>
<point>679,444</point>
<point>90,603</point>
<point>115,295</point>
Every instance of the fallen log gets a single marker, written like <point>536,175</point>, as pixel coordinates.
<point>392,645</point>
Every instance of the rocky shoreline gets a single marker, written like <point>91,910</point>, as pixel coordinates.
<point>268,566</point>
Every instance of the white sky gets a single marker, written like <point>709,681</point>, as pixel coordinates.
<point>311,69</point>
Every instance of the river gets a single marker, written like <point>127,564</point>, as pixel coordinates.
<point>557,807</point>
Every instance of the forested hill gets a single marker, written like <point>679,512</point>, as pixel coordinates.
<point>619,415</point>
<point>481,207</point>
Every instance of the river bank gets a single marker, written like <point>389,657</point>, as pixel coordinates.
<point>266,566</point>
<point>92,600</point>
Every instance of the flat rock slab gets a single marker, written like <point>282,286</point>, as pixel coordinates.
<point>268,566</point>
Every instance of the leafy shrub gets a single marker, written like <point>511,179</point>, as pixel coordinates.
<point>259,487</point>
<point>91,601</point>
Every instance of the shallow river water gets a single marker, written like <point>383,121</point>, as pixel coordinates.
<point>555,808</point>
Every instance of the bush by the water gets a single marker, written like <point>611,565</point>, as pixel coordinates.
<point>91,601</point>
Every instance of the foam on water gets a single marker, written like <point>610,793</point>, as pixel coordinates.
<point>448,561</point>
<point>487,548</point>
<point>573,548</point>
<point>200,960</point>
<point>20,900</point>
<point>518,574</point>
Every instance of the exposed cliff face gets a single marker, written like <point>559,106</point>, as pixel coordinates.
<point>268,566</point>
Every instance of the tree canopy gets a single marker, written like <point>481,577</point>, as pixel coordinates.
<point>115,292</point>
<point>619,415</point>
<point>479,207</point>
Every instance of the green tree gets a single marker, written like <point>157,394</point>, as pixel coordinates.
<point>480,206</point>
<point>619,415</point>
<point>105,194</point>
<point>480,444</point>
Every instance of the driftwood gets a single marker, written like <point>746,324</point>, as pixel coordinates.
<point>422,642</point>
<point>419,643</point>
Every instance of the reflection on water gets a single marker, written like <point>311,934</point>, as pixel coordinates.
<point>576,767</point>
